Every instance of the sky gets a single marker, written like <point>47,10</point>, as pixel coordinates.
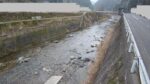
<point>93,1</point>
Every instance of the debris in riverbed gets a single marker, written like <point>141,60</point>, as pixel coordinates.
<point>81,65</point>
<point>73,62</point>
<point>56,41</point>
<point>102,37</point>
<point>70,35</point>
<point>35,73</point>
<point>22,60</point>
<point>92,61</point>
<point>38,50</point>
<point>3,34</point>
<point>64,69</point>
<point>92,50</point>
<point>46,69</point>
<point>89,51</point>
<point>46,42</point>
<point>93,45</point>
<point>79,57</point>
<point>2,65</point>
<point>54,80</point>
<point>86,59</point>
<point>72,57</point>
<point>75,51</point>
<point>98,40</point>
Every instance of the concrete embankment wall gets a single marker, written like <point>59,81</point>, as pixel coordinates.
<point>116,63</point>
<point>12,16</point>
<point>98,64</point>
<point>19,35</point>
<point>108,72</point>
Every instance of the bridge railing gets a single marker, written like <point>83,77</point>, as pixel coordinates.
<point>138,61</point>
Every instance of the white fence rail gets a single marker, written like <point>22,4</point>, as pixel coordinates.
<point>144,78</point>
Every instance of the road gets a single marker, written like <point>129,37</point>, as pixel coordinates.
<point>68,57</point>
<point>140,27</point>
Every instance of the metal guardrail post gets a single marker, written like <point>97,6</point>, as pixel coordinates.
<point>128,39</point>
<point>134,65</point>
<point>130,48</point>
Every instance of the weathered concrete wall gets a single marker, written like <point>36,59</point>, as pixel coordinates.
<point>6,16</point>
<point>110,59</point>
<point>117,63</point>
<point>18,35</point>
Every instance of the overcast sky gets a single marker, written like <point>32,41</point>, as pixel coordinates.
<point>93,1</point>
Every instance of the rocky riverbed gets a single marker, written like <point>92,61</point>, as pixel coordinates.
<point>68,57</point>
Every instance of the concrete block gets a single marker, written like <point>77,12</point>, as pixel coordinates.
<point>53,80</point>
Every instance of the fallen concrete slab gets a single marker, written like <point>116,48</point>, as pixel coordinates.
<point>53,80</point>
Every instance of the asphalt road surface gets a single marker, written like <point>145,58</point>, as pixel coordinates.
<point>140,27</point>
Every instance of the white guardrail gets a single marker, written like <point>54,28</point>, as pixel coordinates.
<point>144,78</point>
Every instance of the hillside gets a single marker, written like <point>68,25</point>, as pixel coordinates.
<point>107,4</point>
